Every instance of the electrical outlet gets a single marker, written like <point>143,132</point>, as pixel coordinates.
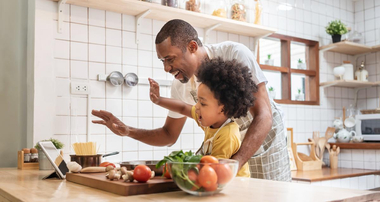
<point>80,88</point>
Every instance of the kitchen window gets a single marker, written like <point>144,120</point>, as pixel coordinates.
<point>291,66</point>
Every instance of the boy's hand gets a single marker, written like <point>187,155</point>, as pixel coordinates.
<point>154,91</point>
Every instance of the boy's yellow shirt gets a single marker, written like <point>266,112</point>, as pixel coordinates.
<point>226,142</point>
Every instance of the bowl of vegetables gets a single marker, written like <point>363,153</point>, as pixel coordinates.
<point>200,175</point>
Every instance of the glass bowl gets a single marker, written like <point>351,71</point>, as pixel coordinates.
<point>203,179</point>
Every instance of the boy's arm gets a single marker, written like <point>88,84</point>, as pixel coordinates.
<point>168,103</point>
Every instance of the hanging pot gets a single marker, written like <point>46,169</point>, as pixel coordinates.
<point>336,38</point>
<point>90,160</point>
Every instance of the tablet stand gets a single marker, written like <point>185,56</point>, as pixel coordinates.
<point>52,175</point>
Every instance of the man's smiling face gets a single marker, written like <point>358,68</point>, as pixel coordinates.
<point>181,65</point>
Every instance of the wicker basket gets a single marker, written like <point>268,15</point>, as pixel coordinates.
<point>370,111</point>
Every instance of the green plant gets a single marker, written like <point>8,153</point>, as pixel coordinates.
<point>58,144</point>
<point>299,91</point>
<point>269,56</point>
<point>271,88</point>
<point>336,27</point>
<point>300,61</point>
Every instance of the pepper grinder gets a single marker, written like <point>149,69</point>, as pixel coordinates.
<point>363,73</point>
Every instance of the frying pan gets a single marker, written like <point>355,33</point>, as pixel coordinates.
<point>90,160</point>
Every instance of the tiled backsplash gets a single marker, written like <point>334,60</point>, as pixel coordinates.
<point>98,42</point>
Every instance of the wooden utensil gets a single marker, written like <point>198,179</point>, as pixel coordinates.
<point>316,139</point>
<point>323,140</point>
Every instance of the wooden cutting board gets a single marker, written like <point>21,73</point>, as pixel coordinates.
<point>157,184</point>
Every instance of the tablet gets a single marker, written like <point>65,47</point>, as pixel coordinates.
<point>55,158</point>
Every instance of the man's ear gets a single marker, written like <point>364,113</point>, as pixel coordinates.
<point>192,46</point>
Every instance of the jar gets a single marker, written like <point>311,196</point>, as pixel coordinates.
<point>26,155</point>
<point>258,11</point>
<point>170,3</point>
<point>193,5</point>
<point>239,10</point>
<point>150,1</point>
<point>34,155</point>
<point>216,8</point>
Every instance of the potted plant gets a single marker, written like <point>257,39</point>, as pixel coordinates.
<point>336,29</point>
<point>272,92</point>
<point>300,64</point>
<point>269,61</point>
<point>300,96</point>
<point>44,163</point>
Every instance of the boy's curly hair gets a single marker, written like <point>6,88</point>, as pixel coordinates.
<point>231,83</point>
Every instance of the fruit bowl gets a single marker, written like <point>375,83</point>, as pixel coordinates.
<point>203,179</point>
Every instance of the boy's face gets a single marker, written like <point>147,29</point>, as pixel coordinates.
<point>209,111</point>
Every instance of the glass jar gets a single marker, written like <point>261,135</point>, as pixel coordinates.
<point>34,155</point>
<point>258,12</point>
<point>26,155</point>
<point>216,8</point>
<point>170,3</point>
<point>193,5</point>
<point>238,10</point>
<point>150,1</point>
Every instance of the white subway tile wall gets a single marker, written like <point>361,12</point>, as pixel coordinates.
<point>98,42</point>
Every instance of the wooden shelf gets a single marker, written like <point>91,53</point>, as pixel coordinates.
<point>376,48</point>
<point>165,13</point>
<point>346,47</point>
<point>363,145</point>
<point>348,84</point>
<point>330,174</point>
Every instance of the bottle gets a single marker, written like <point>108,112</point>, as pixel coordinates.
<point>216,8</point>
<point>193,5</point>
<point>26,155</point>
<point>34,155</point>
<point>170,3</point>
<point>239,10</point>
<point>364,73</point>
<point>258,11</point>
<point>358,73</point>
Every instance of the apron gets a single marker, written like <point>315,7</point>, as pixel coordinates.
<point>206,146</point>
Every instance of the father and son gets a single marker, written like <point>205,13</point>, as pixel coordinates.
<point>222,88</point>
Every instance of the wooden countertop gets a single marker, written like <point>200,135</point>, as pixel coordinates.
<point>27,185</point>
<point>330,174</point>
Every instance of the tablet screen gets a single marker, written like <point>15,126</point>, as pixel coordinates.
<point>55,158</point>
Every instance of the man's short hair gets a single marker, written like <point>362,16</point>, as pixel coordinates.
<point>180,33</point>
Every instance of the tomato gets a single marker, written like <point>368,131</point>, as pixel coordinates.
<point>193,175</point>
<point>224,173</point>
<point>209,159</point>
<point>167,173</point>
<point>106,163</point>
<point>194,188</point>
<point>142,173</point>
<point>207,176</point>
<point>212,188</point>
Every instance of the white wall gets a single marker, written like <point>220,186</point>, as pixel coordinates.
<point>13,41</point>
<point>99,42</point>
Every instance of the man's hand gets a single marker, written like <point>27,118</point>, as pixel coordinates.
<point>154,91</point>
<point>113,123</point>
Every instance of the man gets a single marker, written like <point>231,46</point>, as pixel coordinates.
<point>182,53</point>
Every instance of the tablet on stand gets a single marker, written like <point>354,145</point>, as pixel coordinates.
<point>56,160</point>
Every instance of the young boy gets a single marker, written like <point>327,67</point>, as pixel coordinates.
<point>226,91</point>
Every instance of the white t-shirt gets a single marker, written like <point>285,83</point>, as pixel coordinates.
<point>227,50</point>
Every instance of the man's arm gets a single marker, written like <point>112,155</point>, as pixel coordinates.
<point>165,136</point>
<point>259,128</point>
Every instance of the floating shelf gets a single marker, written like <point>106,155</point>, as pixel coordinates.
<point>346,47</point>
<point>165,13</point>
<point>363,145</point>
<point>348,84</point>
<point>376,48</point>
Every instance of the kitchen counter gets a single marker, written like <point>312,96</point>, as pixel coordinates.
<point>27,185</point>
<point>330,174</point>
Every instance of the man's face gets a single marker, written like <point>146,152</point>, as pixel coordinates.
<point>181,65</point>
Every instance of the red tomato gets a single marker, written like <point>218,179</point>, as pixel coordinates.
<point>167,173</point>
<point>106,163</point>
<point>209,159</point>
<point>142,173</point>
<point>195,188</point>
<point>207,176</point>
<point>193,175</point>
<point>212,188</point>
<point>224,173</point>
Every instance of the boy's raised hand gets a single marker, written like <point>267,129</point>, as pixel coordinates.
<point>154,91</point>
